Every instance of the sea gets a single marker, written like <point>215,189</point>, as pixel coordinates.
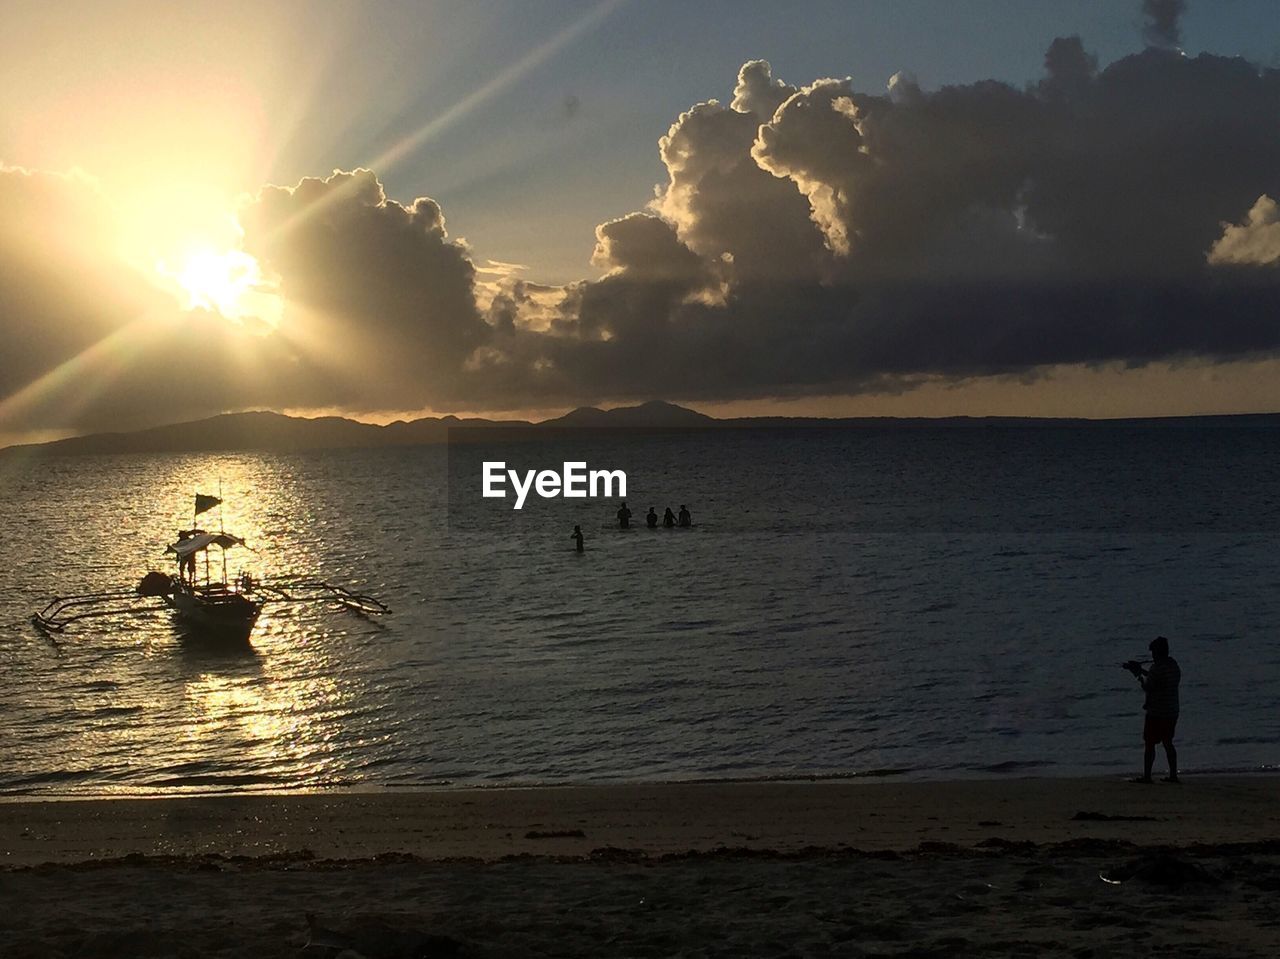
<point>931,604</point>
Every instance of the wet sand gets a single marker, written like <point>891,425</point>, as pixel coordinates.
<point>1010,867</point>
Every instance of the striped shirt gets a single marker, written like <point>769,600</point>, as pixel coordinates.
<point>1162,689</point>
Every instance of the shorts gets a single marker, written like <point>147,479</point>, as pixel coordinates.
<point>1158,729</point>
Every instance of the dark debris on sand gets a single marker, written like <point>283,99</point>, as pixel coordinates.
<point>999,899</point>
<point>1161,869</point>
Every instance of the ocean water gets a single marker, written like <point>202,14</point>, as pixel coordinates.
<point>926,603</point>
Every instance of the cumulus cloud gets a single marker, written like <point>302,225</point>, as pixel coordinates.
<point>1068,69</point>
<point>973,230</point>
<point>381,310</point>
<point>758,92</point>
<point>645,246</point>
<point>815,140</point>
<point>1256,241</point>
<point>720,201</point>
<point>810,238</point>
<point>383,278</point>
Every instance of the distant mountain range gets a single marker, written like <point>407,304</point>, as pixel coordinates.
<point>279,433</point>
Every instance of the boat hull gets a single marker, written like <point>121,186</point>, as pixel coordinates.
<point>229,615</point>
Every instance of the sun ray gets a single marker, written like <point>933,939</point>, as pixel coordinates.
<point>76,381</point>
<point>497,84</point>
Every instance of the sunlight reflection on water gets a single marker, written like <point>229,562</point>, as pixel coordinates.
<point>783,636</point>
<point>152,705</point>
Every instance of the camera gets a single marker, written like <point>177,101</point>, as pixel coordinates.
<point>1133,666</point>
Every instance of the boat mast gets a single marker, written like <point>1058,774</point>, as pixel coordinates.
<point>222,529</point>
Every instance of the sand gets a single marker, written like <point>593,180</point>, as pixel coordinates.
<point>1011,867</point>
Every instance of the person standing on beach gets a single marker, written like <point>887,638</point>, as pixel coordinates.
<point>1160,683</point>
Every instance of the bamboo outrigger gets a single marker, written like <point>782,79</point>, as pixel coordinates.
<point>209,605</point>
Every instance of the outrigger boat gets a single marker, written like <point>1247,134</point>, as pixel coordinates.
<point>208,605</point>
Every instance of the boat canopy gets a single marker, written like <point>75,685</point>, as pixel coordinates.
<point>202,541</point>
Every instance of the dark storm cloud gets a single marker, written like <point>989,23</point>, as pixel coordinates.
<point>866,240</point>
<point>381,279</point>
<point>1068,68</point>
<point>646,247</point>
<point>1161,28</point>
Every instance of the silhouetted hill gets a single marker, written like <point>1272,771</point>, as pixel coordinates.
<point>279,433</point>
<point>264,431</point>
<point>652,415</point>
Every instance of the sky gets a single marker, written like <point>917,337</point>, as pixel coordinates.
<point>385,209</point>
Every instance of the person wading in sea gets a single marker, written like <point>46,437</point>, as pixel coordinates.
<point>624,516</point>
<point>1160,683</point>
<point>576,536</point>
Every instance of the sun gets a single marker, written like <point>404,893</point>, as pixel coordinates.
<point>226,281</point>
<point>219,281</point>
<point>185,237</point>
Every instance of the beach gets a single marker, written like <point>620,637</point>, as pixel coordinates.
<point>1071,867</point>
<point>615,479</point>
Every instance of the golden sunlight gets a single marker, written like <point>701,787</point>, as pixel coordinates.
<point>218,281</point>
<point>184,236</point>
<point>229,282</point>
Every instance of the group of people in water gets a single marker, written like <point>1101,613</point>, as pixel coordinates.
<point>669,520</point>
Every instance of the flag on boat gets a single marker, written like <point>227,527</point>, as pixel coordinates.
<point>205,502</point>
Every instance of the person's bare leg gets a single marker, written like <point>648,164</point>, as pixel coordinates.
<point>1148,760</point>
<point>1172,755</point>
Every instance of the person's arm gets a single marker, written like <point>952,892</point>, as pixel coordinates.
<point>1135,669</point>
